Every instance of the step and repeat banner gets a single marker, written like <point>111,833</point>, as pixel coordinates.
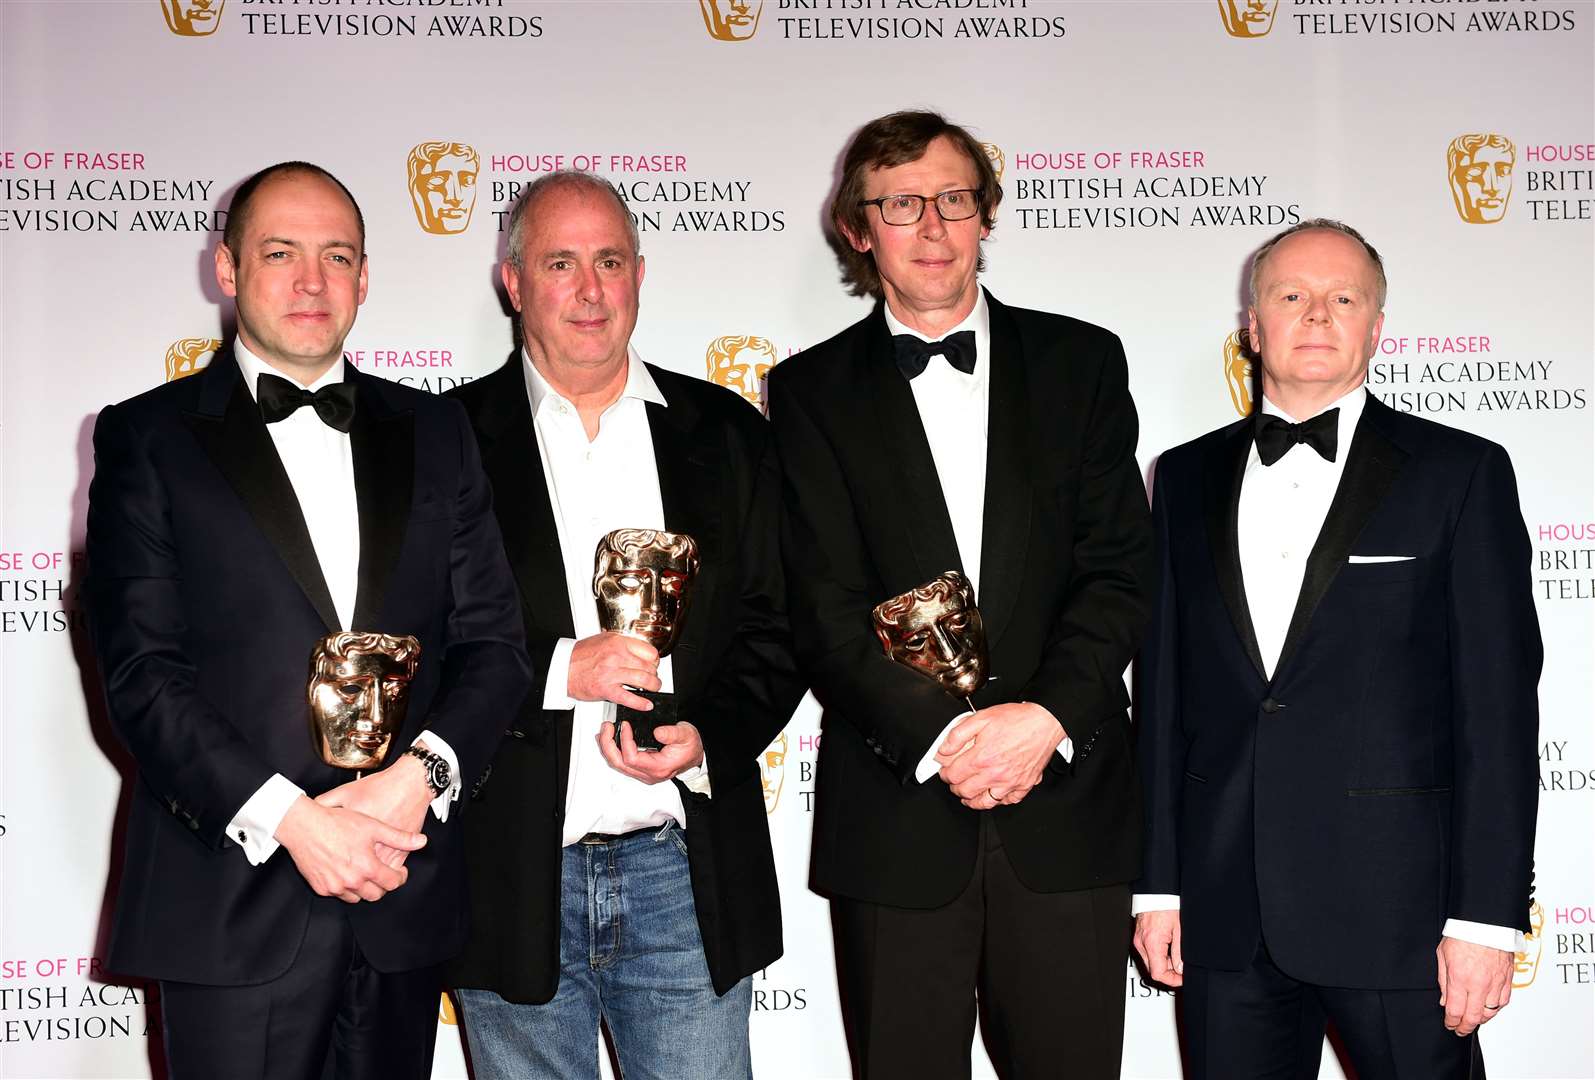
<point>1145,148</point>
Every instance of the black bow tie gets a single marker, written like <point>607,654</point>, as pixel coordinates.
<point>1276,435</point>
<point>914,353</point>
<point>280,399</point>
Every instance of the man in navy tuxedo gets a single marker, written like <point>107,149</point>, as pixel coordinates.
<point>236,517</point>
<point>1338,707</point>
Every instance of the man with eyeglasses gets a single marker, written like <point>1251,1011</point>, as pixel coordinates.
<point>966,852</point>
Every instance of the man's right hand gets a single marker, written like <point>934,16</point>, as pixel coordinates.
<point>336,850</point>
<point>602,666</point>
<point>1157,940</point>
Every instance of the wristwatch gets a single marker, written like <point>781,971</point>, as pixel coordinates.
<point>439,777</point>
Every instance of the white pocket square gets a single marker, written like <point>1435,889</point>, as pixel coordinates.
<point>1379,558</point>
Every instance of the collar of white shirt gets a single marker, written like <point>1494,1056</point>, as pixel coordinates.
<point>639,383</point>
<point>1350,407</point>
<point>978,320</point>
<point>253,367</point>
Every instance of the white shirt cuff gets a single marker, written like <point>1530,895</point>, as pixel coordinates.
<point>1489,935</point>
<point>1066,749</point>
<point>1144,902</point>
<point>254,827</point>
<point>556,692</point>
<point>696,778</point>
<point>928,765</point>
<point>436,744</point>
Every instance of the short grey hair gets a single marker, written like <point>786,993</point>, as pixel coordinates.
<point>1326,225</point>
<point>586,182</point>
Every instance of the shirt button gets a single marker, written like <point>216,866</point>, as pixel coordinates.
<point>1294,485</point>
<point>1284,554</point>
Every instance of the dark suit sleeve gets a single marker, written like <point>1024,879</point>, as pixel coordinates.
<point>1081,676</point>
<point>187,751</point>
<point>485,670</point>
<point>1495,668</point>
<point>1160,742</point>
<point>832,589</point>
<point>756,686</point>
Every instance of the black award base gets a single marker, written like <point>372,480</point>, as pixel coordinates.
<point>643,723</point>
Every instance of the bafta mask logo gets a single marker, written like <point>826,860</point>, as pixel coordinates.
<point>936,630</point>
<point>1248,18</point>
<point>994,155</point>
<point>443,186</point>
<point>359,692</point>
<point>642,579</point>
<point>1479,169</point>
<point>1240,370</point>
<point>731,20</point>
<point>188,355</point>
<point>192,18</point>
<point>740,362</point>
<point>772,772</point>
<point>1526,964</point>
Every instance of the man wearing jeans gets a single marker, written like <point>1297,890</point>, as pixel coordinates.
<point>607,882</point>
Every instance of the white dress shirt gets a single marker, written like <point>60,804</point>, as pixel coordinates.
<point>319,462</point>
<point>1282,510</point>
<point>594,487</point>
<point>955,409</point>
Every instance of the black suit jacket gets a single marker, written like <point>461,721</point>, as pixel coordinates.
<point>1066,554</point>
<point>1384,780</point>
<point>205,598</point>
<point>735,680</point>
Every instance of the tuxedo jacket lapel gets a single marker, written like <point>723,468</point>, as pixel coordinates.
<point>1372,464</point>
<point>228,426</point>
<point>688,460</point>
<point>1005,525</point>
<point>520,499</point>
<point>382,442</point>
<point>911,480</point>
<point>1226,467</point>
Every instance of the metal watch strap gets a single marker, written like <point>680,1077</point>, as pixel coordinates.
<point>430,761</point>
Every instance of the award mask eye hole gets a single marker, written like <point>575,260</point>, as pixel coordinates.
<point>915,642</point>
<point>350,690</point>
<point>672,583</point>
<point>392,688</point>
<point>958,623</point>
<point>628,582</point>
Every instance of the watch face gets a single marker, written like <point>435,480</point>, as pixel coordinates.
<point>438,775</point>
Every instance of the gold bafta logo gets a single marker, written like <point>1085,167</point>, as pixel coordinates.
<point>188,355</point>
<point>1248,18</point>
<point>442,179</point>
<point>1240,368</point>
<point>740,362</point>
<point>1526,964</point>
<point>1479,169</point>
<point>192,18</point>
<point>772,772</point>
<point>731,20</point>
<point>994,155</point>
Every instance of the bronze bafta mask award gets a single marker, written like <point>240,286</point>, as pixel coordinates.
<point>359,692</point>
<point>935,629</point>
<point>642,579</point>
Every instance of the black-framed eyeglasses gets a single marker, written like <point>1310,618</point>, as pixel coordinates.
<point>955,205</point>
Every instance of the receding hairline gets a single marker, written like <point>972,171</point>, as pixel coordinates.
<point>299,171</point>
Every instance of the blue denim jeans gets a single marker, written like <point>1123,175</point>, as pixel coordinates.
<point>629,952</point>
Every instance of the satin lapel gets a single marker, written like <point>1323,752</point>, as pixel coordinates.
<point>1372,465</point>
<point>911,484</point>
<point>688,460</point>
<point>1221,482</point>
<point>1005,525</point>
<point>383,445</point>
<point>229,429</point>
<point>521,501</point>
